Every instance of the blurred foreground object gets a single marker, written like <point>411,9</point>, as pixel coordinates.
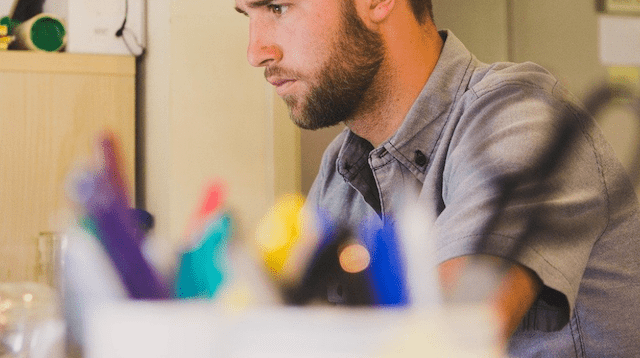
<point>30,323</point>
<point>312,258</point>
<point>202,268</point>
<point>199,329</point>
<point>109,256</point>
<point>48,258</point>
<point>109,218</point>
<point>285,239</point>
<point>102,251</point>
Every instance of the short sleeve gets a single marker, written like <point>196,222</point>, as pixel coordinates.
<point>501,132</point>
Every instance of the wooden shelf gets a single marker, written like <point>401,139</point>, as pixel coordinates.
<point>62,62</point>
<point>52,107</point>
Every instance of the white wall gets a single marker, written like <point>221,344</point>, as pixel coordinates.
<point>480,24</point>
<point>208,114</point>
<point>562,35</point>
<point>5,7</point>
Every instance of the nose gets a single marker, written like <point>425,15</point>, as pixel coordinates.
<point>262,50</point>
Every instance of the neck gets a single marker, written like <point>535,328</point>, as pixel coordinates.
<point>412,51</point>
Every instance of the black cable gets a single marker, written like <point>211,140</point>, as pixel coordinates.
<point>548,163</point>
<point>124,30</point>
<point>124,22</point>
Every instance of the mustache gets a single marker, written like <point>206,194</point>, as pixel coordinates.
<point>280,72</point>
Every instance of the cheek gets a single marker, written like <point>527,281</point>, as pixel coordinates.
<point>308,46</point>
<point>311,56</point>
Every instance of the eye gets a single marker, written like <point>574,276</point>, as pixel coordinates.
<point>278,9</point>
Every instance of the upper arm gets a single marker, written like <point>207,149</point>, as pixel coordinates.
<point>511,295</point>
<point>494,141</point>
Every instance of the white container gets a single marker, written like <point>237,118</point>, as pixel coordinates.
<point>199,329</point>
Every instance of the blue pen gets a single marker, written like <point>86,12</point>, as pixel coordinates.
<point>387,271</point>
<point>352,270</point>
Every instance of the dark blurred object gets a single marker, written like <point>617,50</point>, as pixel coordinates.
<point>326,281</point>
<point>144,218</point>
<point>26,9</point>
<point>143,222</point>
<point>354,270</point>
<point>550,159</point>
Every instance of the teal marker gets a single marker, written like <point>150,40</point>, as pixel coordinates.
<point>202,269</point>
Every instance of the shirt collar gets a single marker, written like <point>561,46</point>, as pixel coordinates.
<point>423,123</point>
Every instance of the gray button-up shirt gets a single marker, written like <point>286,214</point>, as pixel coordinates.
<point>472,124</point>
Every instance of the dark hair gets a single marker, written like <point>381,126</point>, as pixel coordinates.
<point>422,9</point>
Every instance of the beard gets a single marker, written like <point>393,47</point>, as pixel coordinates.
<point>345,78</point>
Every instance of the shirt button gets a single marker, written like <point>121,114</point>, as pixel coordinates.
<point>420,158</point>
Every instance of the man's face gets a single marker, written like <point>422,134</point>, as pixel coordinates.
<point>319,55</point>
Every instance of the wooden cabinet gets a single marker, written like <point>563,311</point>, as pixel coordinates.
<point>52,107</point>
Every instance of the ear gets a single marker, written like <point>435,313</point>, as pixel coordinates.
<point>379,10</point>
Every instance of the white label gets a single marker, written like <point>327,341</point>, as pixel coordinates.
<point>619,40</point>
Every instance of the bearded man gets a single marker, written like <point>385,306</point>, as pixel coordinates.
<point>424,115</point>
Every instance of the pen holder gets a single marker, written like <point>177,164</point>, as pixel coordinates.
<point>43,32</point>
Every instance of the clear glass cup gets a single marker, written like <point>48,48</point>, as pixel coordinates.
<point>48,258</point>
<point>30,321</point>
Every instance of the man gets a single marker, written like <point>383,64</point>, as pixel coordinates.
<point>424,114</point>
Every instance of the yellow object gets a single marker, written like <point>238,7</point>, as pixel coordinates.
<point>624,75</point>
<point>279,231</point>
<point>4,30</point>
<point>628,77</point>
<point>286,238</point>
<point>6,39</point>
<point>3,46</point>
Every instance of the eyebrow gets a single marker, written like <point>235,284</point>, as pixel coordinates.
<point>254,4</point>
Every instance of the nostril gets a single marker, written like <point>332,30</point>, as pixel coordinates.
<point>262,56</point>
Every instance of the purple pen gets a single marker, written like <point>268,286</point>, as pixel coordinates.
<point>116,228</point>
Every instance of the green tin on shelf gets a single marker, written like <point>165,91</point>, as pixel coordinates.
<point>43,32</point>
<point>48,34</point>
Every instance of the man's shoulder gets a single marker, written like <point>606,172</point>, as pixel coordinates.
<point>488,78</point>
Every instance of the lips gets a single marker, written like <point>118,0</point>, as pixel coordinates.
<point>282,85</point>
<point>279,83</point>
